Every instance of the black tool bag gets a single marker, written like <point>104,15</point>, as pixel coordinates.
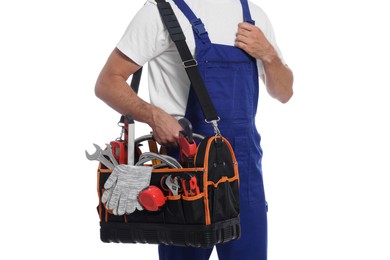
<point>209,216</point>
<point>202,220</point>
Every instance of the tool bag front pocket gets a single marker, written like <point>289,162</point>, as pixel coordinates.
<point>193,208</point>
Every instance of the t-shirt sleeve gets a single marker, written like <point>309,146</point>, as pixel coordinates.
<point>145,36</point>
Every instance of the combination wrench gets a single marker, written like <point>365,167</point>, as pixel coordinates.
<point>99,156</point>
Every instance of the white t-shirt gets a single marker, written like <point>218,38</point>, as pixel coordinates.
<point>147,41</point>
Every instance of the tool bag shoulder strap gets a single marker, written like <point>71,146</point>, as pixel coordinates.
<point>190,64</point>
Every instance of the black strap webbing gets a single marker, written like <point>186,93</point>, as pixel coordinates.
<point>135,80</point>
<point>190,64</point>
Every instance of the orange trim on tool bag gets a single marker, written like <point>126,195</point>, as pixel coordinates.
<point>100,171</point>
<point>106,216</point>
<point>106,210</point>
<point>236,173</point>
<point>176,197</point>
<point>205,179</point>
<point>105,170</point>
<point>99,194</point>
<point>190,198</point>
<point>230,149</point>
<point>223,179</point>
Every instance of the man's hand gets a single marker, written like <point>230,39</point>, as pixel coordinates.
<point>278,78</point>
<point>165,128</point>
<point>253,41</point>
<point>113,89</point>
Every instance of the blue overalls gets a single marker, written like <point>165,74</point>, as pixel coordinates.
<point>231,78</point>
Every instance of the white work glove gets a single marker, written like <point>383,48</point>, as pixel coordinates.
<point>123,186</point>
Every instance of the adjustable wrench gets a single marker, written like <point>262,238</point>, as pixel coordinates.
<point>98,156</point>
<point>172,184</point>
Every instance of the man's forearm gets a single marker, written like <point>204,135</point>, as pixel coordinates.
<point>118,94</point>
<point>112,88</point>
<point>278,78</point>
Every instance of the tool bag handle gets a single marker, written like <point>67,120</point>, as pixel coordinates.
<point>190,64</point>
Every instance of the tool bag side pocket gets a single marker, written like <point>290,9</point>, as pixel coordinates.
<point>223,199</point>
<point>221,179</point>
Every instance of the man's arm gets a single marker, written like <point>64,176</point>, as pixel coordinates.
<point>112,87</point>
<point>278,77</point>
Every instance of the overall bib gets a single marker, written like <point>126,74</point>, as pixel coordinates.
<point>231,78</point>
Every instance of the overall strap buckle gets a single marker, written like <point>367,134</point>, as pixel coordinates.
<point>198,27</point>
<point>200,30</point>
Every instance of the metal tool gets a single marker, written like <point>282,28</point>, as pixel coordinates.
<point>187,129</point>
<point>172,184</point>
<point>186,143</point>
<point>189,185</point>
<point>119,151</point>
<point>98,156</point>
<point>108,152</point>
<point>130,141</point>
<point>194,188</point>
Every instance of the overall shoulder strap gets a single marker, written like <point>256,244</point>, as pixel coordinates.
<point>197,25</point>
<point>246,12</point>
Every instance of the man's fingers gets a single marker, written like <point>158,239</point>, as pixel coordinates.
<point>242,33</point>
<point>246,26</point>
<point>242,39</point>
<point>243,42</point>
<point>169,140</point>
<point>241,45</point>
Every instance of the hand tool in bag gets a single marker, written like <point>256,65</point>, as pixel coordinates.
<point>108,152</point>
<point>189,185</point>
<point>99,156</point>
<point>119,151</point>
<point>170,184</point>
<point>152,198</point>
<point>186,143</point>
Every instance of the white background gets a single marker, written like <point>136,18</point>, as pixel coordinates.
<point>326,160</point>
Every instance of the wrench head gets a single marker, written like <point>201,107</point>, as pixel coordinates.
<point>95,155</point>
<point>172,184</point>
<point>108,152</point>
